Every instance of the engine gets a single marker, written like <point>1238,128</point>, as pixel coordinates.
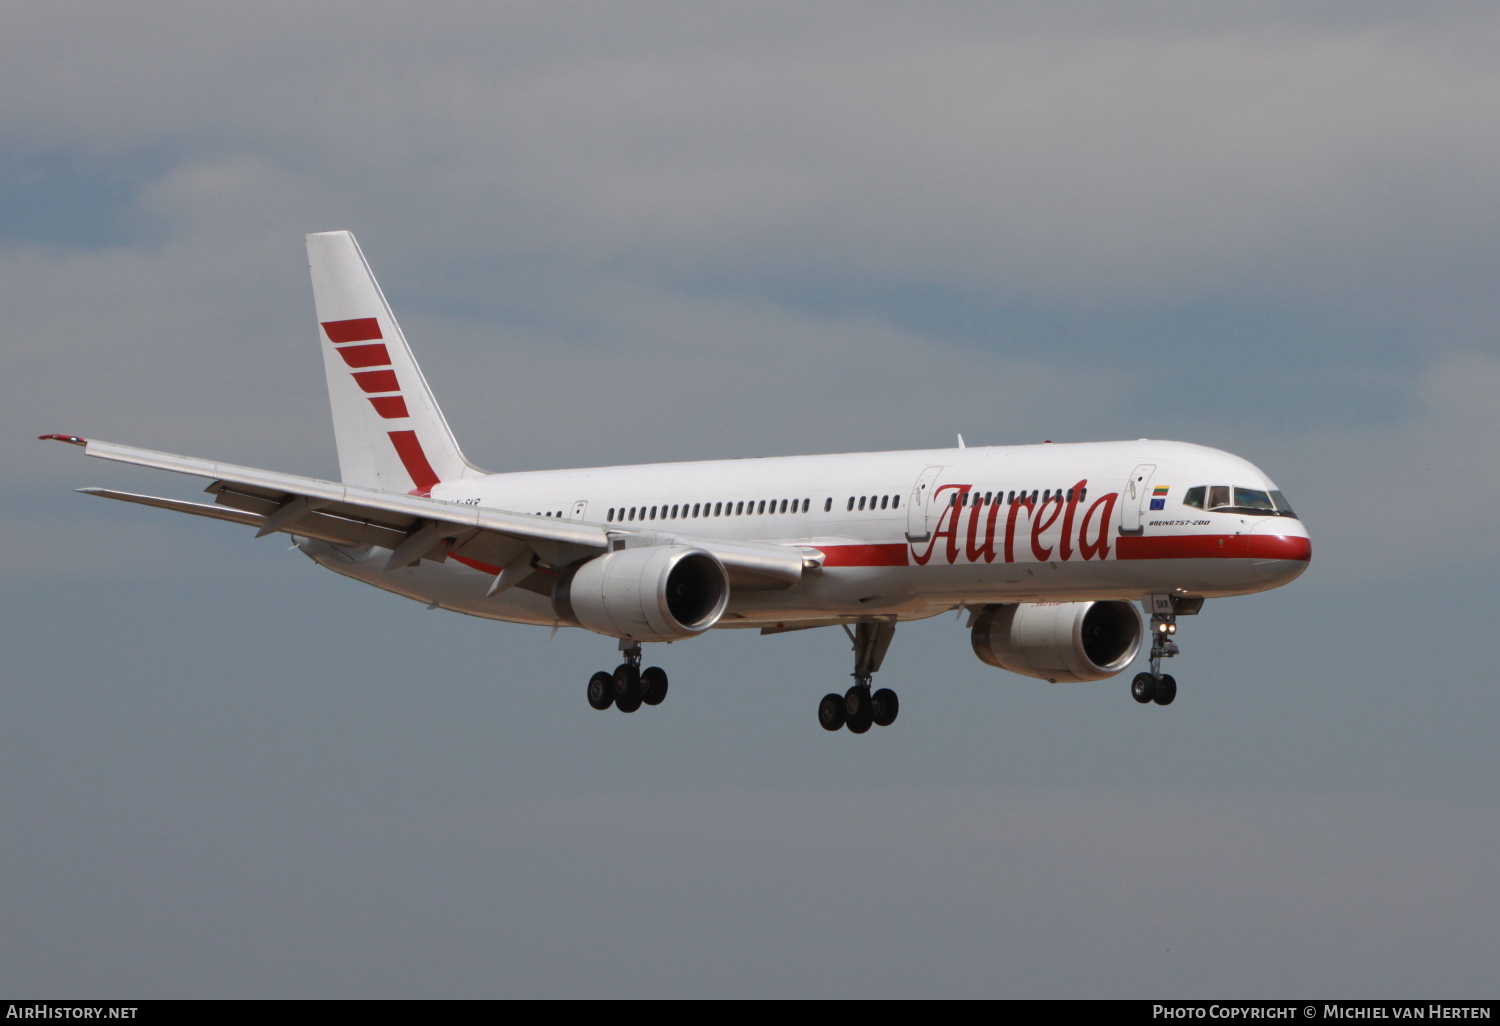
<point>1059,641</point>
<point>655,593</point>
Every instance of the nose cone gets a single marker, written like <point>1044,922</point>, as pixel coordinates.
<point>1279,550</point>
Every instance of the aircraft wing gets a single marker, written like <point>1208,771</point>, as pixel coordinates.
<point>414,527</point>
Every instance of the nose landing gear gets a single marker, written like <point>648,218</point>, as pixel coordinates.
<point>1156,686</point>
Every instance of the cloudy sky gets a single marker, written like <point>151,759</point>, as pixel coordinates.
<point>663,231</point>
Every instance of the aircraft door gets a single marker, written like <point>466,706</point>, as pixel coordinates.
<point>579,508</point>
<point>917,519</point>
<point>1133,499</point>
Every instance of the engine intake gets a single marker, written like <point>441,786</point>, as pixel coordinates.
<point>1059,641</point>
<point>655,593</point>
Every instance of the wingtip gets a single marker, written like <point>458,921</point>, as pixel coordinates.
<point>70,439</point>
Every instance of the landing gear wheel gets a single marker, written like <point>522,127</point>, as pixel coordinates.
<point>886,706</point>
<point>627,682</point>
<point>859,709</point>
<point>1143,688</point>
<point>602,690</point>
<point>653,685</point>
<point>1166,689</point>
<point>831,712</point>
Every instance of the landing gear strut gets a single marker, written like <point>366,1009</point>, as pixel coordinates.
<point>1156,686</point>
<point>857,708</point>
<point>629,687</point>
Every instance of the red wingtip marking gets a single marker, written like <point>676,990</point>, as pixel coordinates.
<point>414,460</point>
<point>70,439</point>
<point>378,381</point>
<point>391,407</point>
<point>366,356</point>
<point>358,329</point>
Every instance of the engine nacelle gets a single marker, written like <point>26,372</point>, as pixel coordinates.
<point>653,593</point>
<point>1059,641</point>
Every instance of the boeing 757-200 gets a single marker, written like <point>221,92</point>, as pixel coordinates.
<point>1049,547</point>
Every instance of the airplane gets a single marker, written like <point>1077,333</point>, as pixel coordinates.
<point>1047,547</point>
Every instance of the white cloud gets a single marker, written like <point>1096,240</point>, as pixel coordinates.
<point>1342,165</point>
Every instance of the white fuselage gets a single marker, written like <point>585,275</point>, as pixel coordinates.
<point>902,534</point>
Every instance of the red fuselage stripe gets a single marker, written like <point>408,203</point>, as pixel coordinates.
<point>414,460</point>
<point>1214,546</point>
<point>358,329</point>
<point>865,555</point>
<point>1190,546</point>
<point>477,565</point>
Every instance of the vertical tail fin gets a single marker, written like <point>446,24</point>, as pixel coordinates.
<point>390,432</point>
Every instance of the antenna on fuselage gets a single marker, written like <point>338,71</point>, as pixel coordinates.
<point>961,444</point>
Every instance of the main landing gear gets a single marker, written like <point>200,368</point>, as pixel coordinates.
<point>1156,686</point>
<point>629,687</point>
<point>857,708</point>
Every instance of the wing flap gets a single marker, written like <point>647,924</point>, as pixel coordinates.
<point>324,528</point>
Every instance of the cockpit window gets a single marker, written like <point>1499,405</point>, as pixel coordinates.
<point>1245,501</point>
<point>1250,498</point>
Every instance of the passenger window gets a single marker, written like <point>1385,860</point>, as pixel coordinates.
<point>1193,497</point>
<point>828,505</point>
<point>653,513</point>
<point>885,501</point>
<point>861,502</point>
<point>895,502</point>
<point>783,505</point>
<point>851,504</point>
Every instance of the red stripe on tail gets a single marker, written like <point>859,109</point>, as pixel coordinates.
<point>366,356</point>
<point>414,460</point>
<point>391,407</point>
<point>360,329</point>
<point>378,381</point>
